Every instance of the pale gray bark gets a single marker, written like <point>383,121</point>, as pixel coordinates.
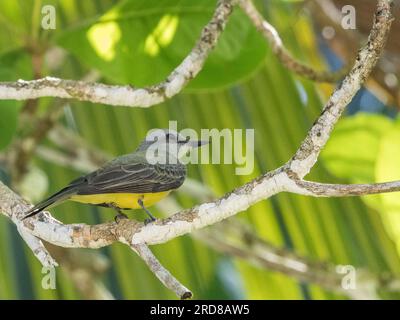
<point>127,95</point>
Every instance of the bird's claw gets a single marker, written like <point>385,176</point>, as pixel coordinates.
<point>148,220</point>
<point>119,217</point>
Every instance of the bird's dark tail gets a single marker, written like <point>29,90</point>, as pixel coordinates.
<point>53,200</point>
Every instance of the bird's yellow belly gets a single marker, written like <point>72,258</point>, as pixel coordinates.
<point>121,200</point>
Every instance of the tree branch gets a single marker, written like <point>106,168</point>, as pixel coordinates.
<point>128,95</point>
<point>271,35</point>
<point>178,78</point>
<point>32,130</point>
<point>237,239</point>
<point>37,247</point>
<point>367,57</point>
<point>344,190</point>
<point>162,274</point>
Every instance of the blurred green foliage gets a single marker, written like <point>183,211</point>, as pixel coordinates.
<point>140,42</point>
<point>363,149</point>
<point>279,106</point>
<point>12,64</point>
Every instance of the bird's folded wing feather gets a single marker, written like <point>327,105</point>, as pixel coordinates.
<point>131,178</point>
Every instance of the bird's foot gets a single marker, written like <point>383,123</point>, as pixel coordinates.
<point>120,216</point>
<point>149,220</point>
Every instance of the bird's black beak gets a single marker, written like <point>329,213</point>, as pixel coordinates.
<point>198,143</point>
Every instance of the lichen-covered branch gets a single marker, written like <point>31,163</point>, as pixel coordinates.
<point>133,232</point>
<point>127,95</point>
<point>367,57</point>
<point>37,247</point>
<point>344,190</point>
<point>188,69</point>
<point>162,274</point>
<point>238,240</point>
<point>272,37</point>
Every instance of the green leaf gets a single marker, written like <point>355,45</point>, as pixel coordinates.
<point>388,169</point>
<point>352,150</point>
<point>141,41</point>
<point>14,22</point>
<point>365,148</point>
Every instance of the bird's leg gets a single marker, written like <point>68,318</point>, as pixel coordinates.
<point>120,215</point>
<point>151,217</point>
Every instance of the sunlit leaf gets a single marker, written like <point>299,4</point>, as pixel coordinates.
<point>140,42</point>
<point>353,148</point>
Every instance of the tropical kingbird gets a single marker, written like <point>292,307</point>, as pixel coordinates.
<point>132,181</point>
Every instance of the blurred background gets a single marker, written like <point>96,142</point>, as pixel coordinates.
<point>287,247</point>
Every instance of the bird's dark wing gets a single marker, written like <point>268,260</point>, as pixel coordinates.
<point>119,178</point>
<point>132,178</point>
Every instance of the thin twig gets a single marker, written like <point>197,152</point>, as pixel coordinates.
<point>37,247</point>
<point>291,63</point>
<point>306,156</point>
<point>345,190</point>
<point>162,274</point>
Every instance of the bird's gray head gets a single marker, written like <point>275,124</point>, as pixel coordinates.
<point>168,143</point>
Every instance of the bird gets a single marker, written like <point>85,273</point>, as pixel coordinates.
<point>132,181</point>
